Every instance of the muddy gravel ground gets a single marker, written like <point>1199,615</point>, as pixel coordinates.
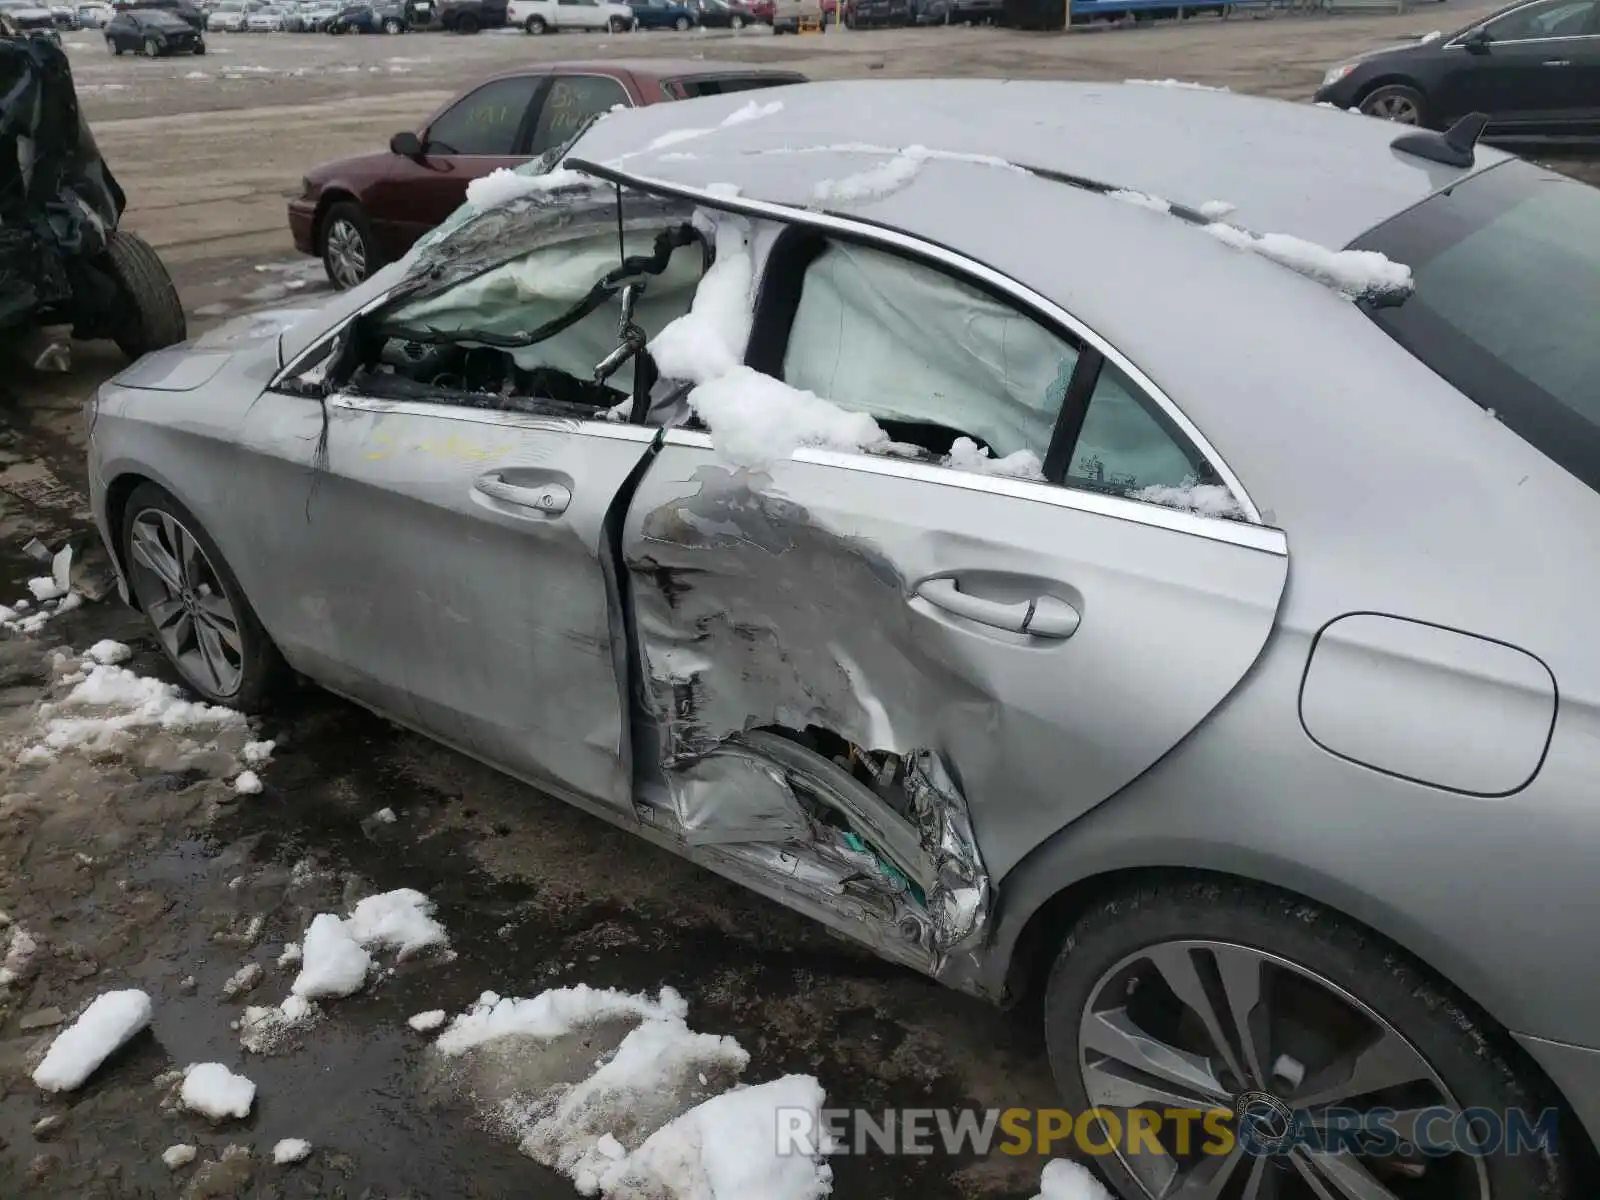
<point>135,864</point>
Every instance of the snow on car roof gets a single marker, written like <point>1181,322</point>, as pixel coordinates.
<point>1321,175</point>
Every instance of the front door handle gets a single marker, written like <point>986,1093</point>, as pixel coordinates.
<point>549,498</point>
<point>1043,616</point>
<point>1558,62</point>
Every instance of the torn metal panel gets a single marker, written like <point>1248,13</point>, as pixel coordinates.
<point>735,795</point>
<point>958,902</point>
<point>789,623</point>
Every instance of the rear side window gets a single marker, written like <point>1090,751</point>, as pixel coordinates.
<point>485,122</point>
<point>716,85</point>
<point>935,359</point>
<point>1506,305</point>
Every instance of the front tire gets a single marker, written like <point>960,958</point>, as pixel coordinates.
<point>350,253</point>
<point>736,22</point>
<point>152,48</point>
<point>391,26</point>
<point>196,608</point>
<point>1220,995</point>
<point>1396,102</point>
<point>618,25</point>
<point>111,45</point>
<point>681,24</point>
<point>154,318</point>
<point>467,24</point>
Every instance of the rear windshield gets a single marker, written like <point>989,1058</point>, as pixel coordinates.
<point>1507,302</point>
<point>716,85</point>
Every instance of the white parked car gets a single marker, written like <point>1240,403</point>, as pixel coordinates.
<point>94,16</point>
<point>550,16</point>
<point>264,20</point>
<point>227,17</point>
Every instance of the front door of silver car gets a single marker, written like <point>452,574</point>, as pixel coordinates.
<point>451,564</point>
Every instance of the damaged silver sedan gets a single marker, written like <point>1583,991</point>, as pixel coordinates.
<point>900,526</point>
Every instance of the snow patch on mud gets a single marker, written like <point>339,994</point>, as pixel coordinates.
<point>617,1092</point>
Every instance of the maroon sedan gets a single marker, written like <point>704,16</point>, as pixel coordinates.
<point>358,213</point>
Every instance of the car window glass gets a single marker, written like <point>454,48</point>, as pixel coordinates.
<point>1125,448</point>
<point>539,287</point>
<point>571,101</point>
<point>919,351</point>
<point>1559,18</point>
<point>487,121</point>
<point>718,85</point>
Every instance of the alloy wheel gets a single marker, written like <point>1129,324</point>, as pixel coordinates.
<point>182,594</point>
<point>1207,1025</point>
<point>347,253</point>
<point>1393,108</point>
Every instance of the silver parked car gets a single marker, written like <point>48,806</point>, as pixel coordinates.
<point>1171,598</point>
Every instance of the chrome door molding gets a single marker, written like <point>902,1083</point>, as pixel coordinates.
<point>1218,529</point>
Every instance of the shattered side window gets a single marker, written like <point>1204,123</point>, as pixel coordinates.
<point>910,346</point>
<point>540,287</point>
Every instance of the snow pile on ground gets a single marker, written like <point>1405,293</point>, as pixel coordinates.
<point>104,1027</point>
<point>504,184</point>
<point>291,1150</point>
<point>708,340</point>
<point>22,618</point>
<point>1064,1179</point>
<point>332,962</point>
<point>426,1022</point>
<point>177,1156</point>
<point>215,1092</point>
<point>109,653</point>
<point>247,783</point>
<point>1353,273</point>
<point>334,958</point>
<point>966,455</point>
<point>121,703</point>
<point>20,952</point>
<point>639,1125</point>
<point>755,419</point>
<point>264,1028</point>
<point>1207,499</point>
<point>257,754</point>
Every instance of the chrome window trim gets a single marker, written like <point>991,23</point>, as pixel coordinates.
<point>1024,295</point>
<point>1264,538</point>
<point>619,431</point>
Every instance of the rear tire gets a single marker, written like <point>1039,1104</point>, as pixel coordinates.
<point>681,24</point>
<point>1317,990</point>
<point>258,666</point>
<point>111,45</point>
<point>535,26</point>
<point>618,25</point>
<point>736,22</point>
<point>154,319</point>
<point>1396,102</point>
<point>152,48</point>
<point>467,24</point>
<point>391,26</point>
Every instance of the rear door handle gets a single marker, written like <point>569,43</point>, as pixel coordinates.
<point>1043,616</point>
<point>549,498</point>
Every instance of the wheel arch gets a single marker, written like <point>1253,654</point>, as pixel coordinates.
<point>333,193</point>
<point>1390,79</point>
